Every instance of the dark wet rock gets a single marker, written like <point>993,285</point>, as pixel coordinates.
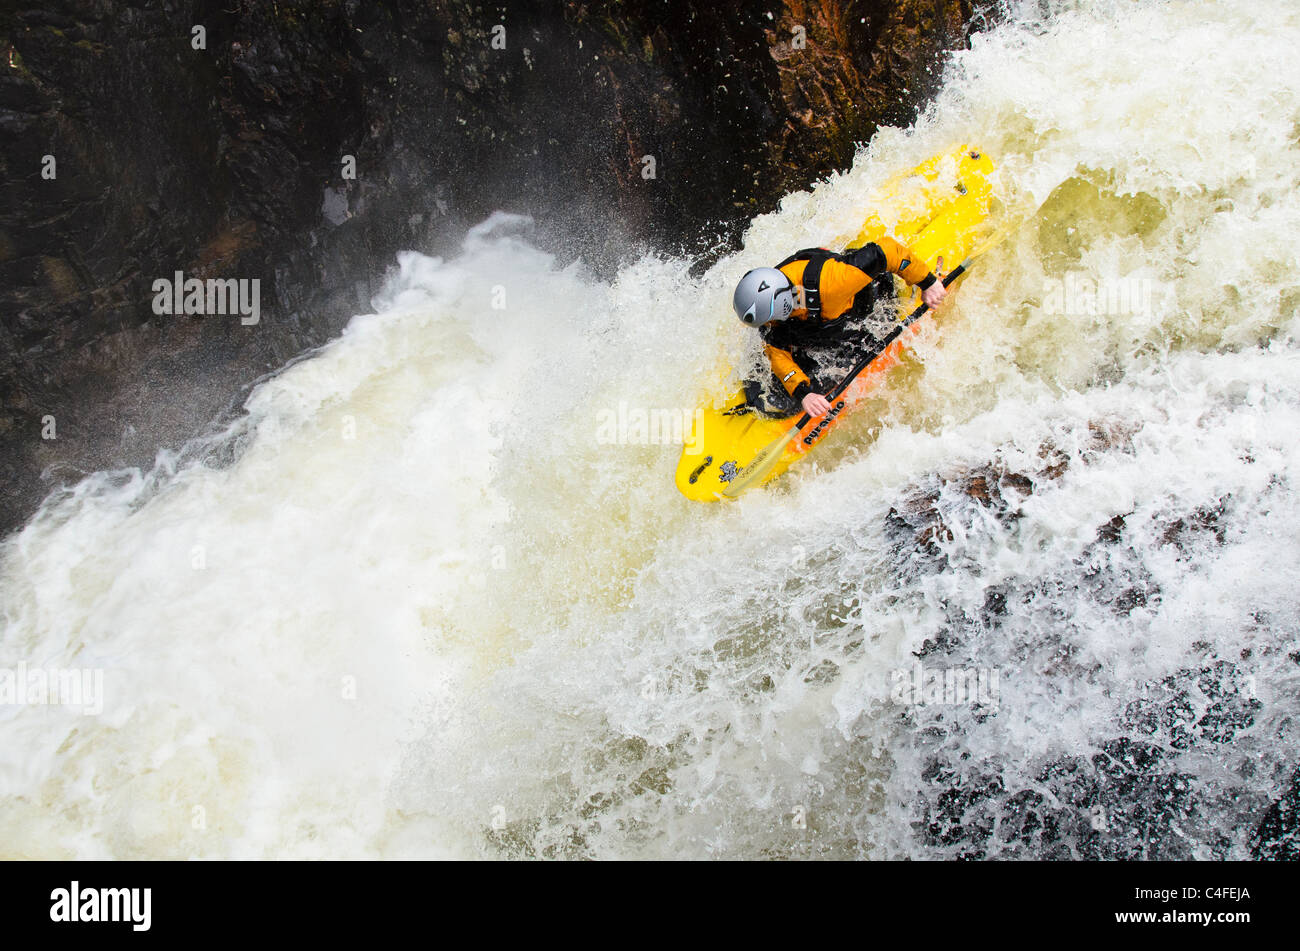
<point>918,526</point>
<point>1278,835</point>
<point>1112,531</point>
<point>1141,791</point>
<point>1184,533</point>
<point>1126,801</point>
<point>960,817</point>
<point>228,161</point>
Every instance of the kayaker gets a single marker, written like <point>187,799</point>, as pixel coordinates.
<point>813,311</point>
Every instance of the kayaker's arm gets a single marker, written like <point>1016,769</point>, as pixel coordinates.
<point>889,255</point>
<point>794,380</point>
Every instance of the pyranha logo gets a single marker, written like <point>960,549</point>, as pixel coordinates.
<point>214,296</point>
<point>103,904</point>
<point>826,421</point>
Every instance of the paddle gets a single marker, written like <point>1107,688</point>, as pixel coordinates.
<point>762,463</point>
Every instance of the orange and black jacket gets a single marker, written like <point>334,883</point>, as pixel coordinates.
<point>836,288</point>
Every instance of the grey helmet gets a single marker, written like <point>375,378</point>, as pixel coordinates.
<point>763,294</point>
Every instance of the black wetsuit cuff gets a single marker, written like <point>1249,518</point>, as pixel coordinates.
<point>800,391</point>
<point>925,282</point>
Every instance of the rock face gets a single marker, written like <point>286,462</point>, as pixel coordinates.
<point>136,144</point>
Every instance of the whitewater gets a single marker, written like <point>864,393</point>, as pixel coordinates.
<point>408,604</point>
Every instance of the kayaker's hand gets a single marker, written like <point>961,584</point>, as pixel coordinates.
<point>814,404</point>
<point>934,294</point>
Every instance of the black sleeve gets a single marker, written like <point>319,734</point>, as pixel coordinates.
<point>800,391</point>
<point>870,259</point>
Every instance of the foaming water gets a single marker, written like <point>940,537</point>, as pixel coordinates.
<point>414,603</point>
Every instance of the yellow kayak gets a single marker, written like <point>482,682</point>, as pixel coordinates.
<point>936,219</point>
